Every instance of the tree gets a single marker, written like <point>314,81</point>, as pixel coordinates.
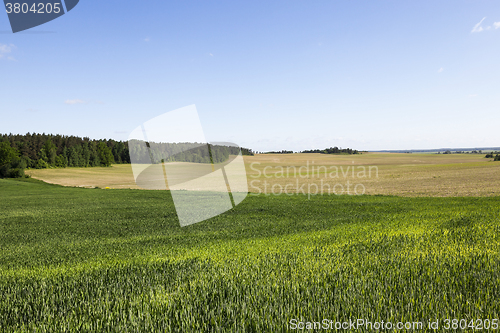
<point>41,164</point>
<point>17,166</point>
<point>7,153</point>
<point>105,154</point>
<point>10,163</point>
<point>50,152</point>
<point>60,161</point>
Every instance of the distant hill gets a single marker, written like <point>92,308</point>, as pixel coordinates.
<point>440,150</point>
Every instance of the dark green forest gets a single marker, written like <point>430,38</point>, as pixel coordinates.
<point>39,151</point>
<point>46,150</point>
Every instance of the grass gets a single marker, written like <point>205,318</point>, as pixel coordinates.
<point>413,175</point>
<point>95,260</point>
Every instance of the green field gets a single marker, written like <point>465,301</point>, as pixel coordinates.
<point>95,260</point>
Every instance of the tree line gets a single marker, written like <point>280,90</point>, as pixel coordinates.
<point>332,150</point>
<point>39,151</point>
<point>279,152</point>
<point>153,152</point>
<point>461,152</point>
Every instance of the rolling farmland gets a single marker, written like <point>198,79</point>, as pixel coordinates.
<point>75,259</point>
<point>395,174</point>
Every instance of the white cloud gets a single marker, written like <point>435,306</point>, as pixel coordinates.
<point>496,25</point>
<point>478,27</point>
<point>211,54</point>
<point>74,101</point>
<point>440,70</point>
<point>472,95</point>
<point>6,49</point>
<point>147,39</point>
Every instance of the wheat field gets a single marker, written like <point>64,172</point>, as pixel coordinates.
<point>391,174</point>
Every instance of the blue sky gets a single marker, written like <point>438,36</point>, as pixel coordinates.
<point>266,75</point>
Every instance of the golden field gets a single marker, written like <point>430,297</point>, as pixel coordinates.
<point>374,173</point>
